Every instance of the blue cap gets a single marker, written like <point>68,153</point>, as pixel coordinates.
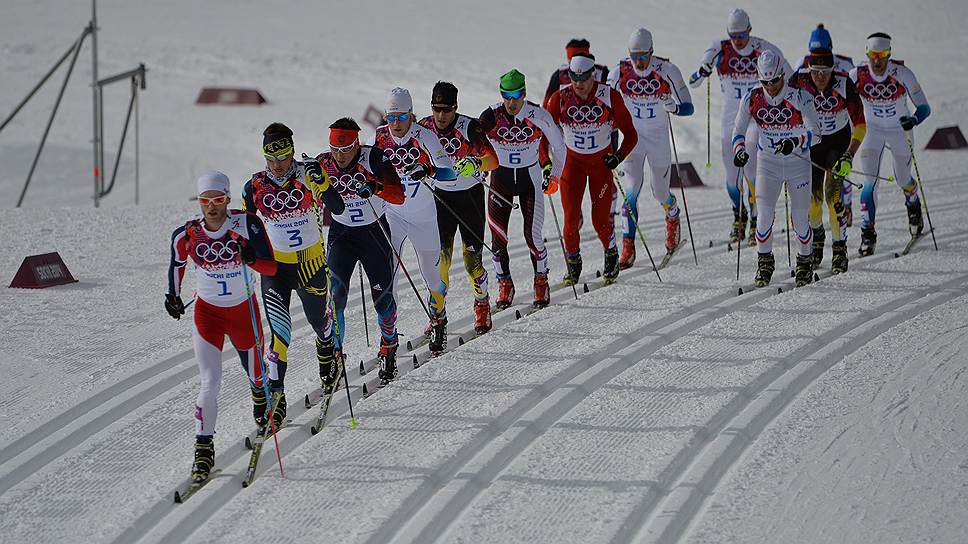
<point>820,39</point>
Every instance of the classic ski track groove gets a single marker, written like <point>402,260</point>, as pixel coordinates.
<point>490,456</point>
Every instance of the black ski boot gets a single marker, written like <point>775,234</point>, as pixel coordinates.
<point>819,240</point>
<point>738,230</point>
<point>751,235</point>
<point>573,269</point>
<point>330,370</point>
<point>438,335</point>
<point>610,272</point>
<point>204,458</point>
<point>765,266</point>
<point>259,405</point>
<point>278,397</point>
<point>388,366</point>
<point>915,220</point>
<point>838,263</point>
<point>804,270</point>
<point>868,240</point>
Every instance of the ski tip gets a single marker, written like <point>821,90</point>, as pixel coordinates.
<point>460,340</point>
<point>365,392</point>
<point>362,369</point>
<point>598,273</point>
<point>409,346</point>
<point>729,247</point>
<point>584,287</point>
<point>245,484</point>
<point>779,290</point>
<point>416,363</point>
<point>517,314</point>
<point>816,277</point>
<point>896,255</point>
<point>739,291</point>
<point>306,403</point>
<point>248,443</point>
<point>313,430</point>
<point>793,273</point>
<point>353,423</point>
<point>178,499</point>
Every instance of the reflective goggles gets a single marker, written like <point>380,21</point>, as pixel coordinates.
<point>394,117</point>
<point>278,158</point>
<point>342,148</point>
<point>773,81</point>
<point>739,35</point>
<point>512,95</point>
<point>584,76</point>
<point>878,54</point>
<point>821,69</point>
<point>443,109</point>
<point>217,200</point>
<point>640,55</point>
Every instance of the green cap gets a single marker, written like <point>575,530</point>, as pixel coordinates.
<point>512,81</point>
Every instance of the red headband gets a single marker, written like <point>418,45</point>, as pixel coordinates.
<point>342,136</point>
<point>572,51</point>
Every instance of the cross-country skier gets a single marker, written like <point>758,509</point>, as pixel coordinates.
<point>588,112</point>
<point>788,125</point>
<point>366,180</point>
<point>884,86</point>
<point>560,77</point>
<point>465,143</point>
<point>423,165</point>
<point>734,59</point>
<point>651,87</point>
<point>288,196</point>
<point>516,128</point>
<point>220,242</point>
<point>842,125</point>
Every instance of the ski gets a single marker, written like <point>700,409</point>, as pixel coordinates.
<point>185,492</point>
<point>668,256</point>
<point>259,442</point>
<point>910,245</point>
<point>323,412</point>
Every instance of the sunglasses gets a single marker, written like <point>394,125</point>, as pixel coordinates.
<point>640,55</point>
<point>217,200</point>
<point>822,69</point>
<point>878,54</point>
<point>773,81</point>
<point>584,76</point>
<point>443,109</point>
<point>394,117</point>
<point>277,158</point>
<point>512,95</point>
<point>342,148</point>
<point>739,35</point>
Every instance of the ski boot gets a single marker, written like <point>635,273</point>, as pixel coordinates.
<point>429,329</point>
<point>819,240</point>
<point>329,371</point>
<point>868,240</point>
<point>765,265</point>
<point>204,458</point>
<point>838,263</point>
<point>751,235</point>
<point>738,230</point>
<point>330,381</point>
<point>610,269</point>
<point>849,214</point>
<point>482,315</point>
<point>438,336</point>
<point>505,293</point>
<point>278,397</point>
<point>628,253</point>
<point>915,220</point>
<point>573,269</point>
<point>672,234</point>
<point>542,296</point>
<point>258,405</point>
<point>804,270</point>
<point>388,361</point>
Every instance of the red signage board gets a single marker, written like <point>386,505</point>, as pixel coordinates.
<point>39,271</point>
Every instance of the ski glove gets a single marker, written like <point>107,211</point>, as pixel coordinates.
<point>612,160</point>
<point>786,146</point>
<point>549,183</point>
<point>669,103</point>
<point>741,158</point>
<point>696,78</point>
<point>364,189</point>
<point>246,252</point>
<point>843,165</point>
<point>313,169</point>
<point>908,122</point>
<point>174,306</point>
<point>468,166</point>
<point>417,171</point>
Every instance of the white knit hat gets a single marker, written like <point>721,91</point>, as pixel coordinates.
<point>738,21</point>
<point>214,181</point>
<point>640,40</point>
<point>399,100</point>
<point>879,42</point>
<point>581,64</point>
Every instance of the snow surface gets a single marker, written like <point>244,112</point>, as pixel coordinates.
<point>645,411</point>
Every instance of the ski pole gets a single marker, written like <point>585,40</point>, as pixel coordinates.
<point>498,196</point>
<point>349,400</point>
<point>682,189</point>
<point>635,219</point>
<point>561,239</point>
<point>739,234</point>
<point>366,326</point>
<point>921,186</point>
<point>831,172</point>
<point>257,331</point>
<point>786,206</point>
<point>457,217</point>
<point>709,161</point>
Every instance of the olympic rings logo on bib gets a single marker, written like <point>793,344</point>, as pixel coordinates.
<point>585,114</point>
<point>774,115</point>
<point>283,200</point>
<point>215,251</point>
<point>826,104</point>
<point>403,156</point>
<point>348,182</point>
<point>880,91</point>
<point>450,145</point>
<point>743,64</point>
<point>515,133</point>
<point>643,86</point>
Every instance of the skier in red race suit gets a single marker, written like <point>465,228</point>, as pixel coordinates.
<point>587,112</point>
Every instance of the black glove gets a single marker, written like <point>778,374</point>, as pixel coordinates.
<point>741,158</point>
<point>174,306</point>
<point>247,252</point>
<point>908,122</point>
<point>312,167</point>
<point>786,146</point>
<point>417,171</point>
<point>364,190</point>
<point>612,160</point>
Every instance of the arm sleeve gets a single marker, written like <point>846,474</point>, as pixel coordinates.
<point>856,111</point>
<point>248,204</point>
<point>325,191</point>
<point>612,80</point>
<point>918,98</point>
<point>443,164</point>
<point>551,136</point>
<point>741,123</point>
<point>487,119</point>
<point>553,110</point>
<point>712,54</point>
<point>553,87</point>
<point>605,74</point>
<point>388,185</point>
<point>265,263</point>
<point>810,120</point>
<point>179,257</point>
<point>680,91</point>
<point>482,146</point>
<point>623,122</point>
